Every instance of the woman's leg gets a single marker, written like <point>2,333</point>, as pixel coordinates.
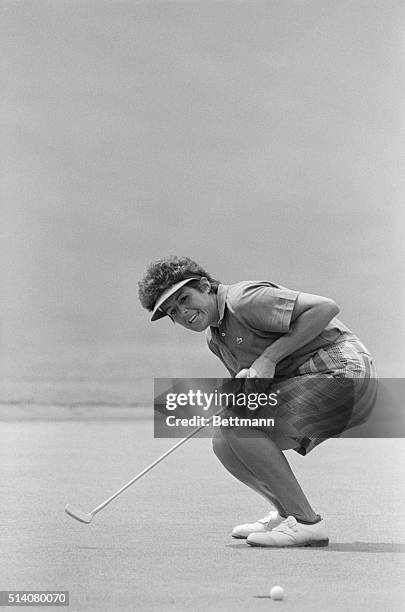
<point>261,456</point>
<point>232,463</point>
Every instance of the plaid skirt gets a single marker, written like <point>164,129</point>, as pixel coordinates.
<point>334,390</point>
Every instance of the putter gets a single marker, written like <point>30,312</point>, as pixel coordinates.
<point>85,517</point>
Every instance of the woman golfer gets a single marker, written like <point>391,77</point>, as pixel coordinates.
<point>323,374</point>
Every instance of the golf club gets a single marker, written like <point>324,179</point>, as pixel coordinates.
<point>85,517</point>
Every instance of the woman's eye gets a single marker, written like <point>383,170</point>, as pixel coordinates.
<point>182,299</point>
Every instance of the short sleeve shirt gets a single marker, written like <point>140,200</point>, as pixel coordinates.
<point>253,315</point>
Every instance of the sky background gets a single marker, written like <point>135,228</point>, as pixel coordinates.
<point>263,139</point>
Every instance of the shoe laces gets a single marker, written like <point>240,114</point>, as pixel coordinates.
<point>269,517</point>
<point>290,524</point>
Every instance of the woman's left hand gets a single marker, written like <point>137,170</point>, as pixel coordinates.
<point>263,367</point>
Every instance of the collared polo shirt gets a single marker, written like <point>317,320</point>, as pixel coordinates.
<point>253,315</point>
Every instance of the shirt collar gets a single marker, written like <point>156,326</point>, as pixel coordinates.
<point>221,300</point>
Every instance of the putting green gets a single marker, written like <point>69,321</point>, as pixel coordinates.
<point>165,545</point>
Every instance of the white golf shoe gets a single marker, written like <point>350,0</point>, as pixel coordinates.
<point>292,533</point>
<point>261,526</point>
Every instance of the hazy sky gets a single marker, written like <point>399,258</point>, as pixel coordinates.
<point>263,139</point>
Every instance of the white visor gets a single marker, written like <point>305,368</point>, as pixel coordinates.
<point>158,312</point>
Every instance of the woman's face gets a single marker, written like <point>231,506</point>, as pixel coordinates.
<point>192,308</point>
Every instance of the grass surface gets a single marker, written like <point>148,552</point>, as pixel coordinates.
<point>165,545</point>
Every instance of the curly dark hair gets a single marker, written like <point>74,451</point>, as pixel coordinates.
<point>163,273</point>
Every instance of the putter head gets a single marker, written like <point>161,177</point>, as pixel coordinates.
<point>77,514</point>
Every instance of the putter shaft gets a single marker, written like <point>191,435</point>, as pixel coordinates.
<point>71,510</point>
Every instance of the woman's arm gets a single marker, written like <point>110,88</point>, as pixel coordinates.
<point>310,316</point>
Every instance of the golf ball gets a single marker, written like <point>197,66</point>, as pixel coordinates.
<point>277,593</point>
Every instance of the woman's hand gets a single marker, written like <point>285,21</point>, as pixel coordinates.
<point>246,373</point>
<point>264,367</point>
